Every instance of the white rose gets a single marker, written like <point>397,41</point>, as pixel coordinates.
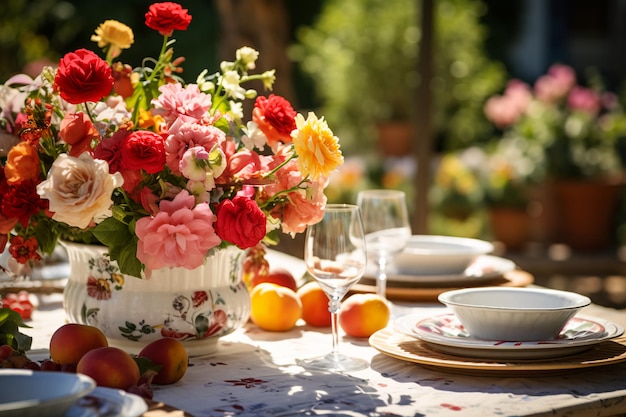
<point>79,189</point>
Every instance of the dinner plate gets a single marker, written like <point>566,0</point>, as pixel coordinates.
<point>108,402</point>
<point>399,345</point>
<point>445,333</point>
<point>484,268</point>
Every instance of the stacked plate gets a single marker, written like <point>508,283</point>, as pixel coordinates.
<point>445,333</point>
<point>431,264</point>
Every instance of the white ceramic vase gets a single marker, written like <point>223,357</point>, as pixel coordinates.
<point>195,306</point>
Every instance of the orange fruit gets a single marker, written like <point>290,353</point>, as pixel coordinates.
<point>171,355</point>
<point>110,367</point>
<point>71,341</point>
<point>274,307</point>
<point>314,300</point>
<point>361,315</point>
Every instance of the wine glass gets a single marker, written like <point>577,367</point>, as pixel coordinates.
<point>387,228</point>
<point>334,254</point>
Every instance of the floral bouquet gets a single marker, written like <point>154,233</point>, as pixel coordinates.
<point>160,172</point>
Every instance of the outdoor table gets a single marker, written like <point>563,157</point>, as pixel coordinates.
<point>254,373</point>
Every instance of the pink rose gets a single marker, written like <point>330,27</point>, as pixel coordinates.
<point>240,221</point>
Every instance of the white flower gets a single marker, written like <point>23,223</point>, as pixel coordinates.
<point>230,82</point>
<point>247,56</point>
<point>254,137</point>
<point>79,189</point>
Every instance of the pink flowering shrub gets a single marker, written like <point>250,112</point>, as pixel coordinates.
<point>561,127</point>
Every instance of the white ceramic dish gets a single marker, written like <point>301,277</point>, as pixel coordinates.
<point>445,333</point>
<point>518,314</point>
<point>27,393</point>
<point>482,269</point>
<point>110,402</point>
<point>439,255</point>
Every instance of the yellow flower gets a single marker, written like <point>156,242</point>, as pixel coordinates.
<point>316,146</point>
<point>114,35</point>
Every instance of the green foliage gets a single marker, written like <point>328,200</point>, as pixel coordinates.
<point>362,56</point>
<point>10,322</point>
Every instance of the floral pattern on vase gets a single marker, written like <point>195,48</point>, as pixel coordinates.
<point>196,306</point>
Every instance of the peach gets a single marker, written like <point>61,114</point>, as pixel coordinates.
<point>314,300</point>
<point>71,341</point>
<point>110,367</point>
<point>363,314</point>
<point>274,307</point>
<point>171,355</point>
<point>277,276</point>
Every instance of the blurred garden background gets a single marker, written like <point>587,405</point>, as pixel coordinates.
<point>511,104</point>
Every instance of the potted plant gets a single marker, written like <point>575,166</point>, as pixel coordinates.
<point>570,132</point>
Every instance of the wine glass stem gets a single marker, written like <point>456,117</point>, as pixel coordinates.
<point>334,320</point>
<point>381,279</point>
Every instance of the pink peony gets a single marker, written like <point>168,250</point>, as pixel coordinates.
<point>188,103</point>
<point>179,235</point>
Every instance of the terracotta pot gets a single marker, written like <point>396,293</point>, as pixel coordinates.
<point>585,212</point>
<point>395,138</point>
<point>510,226</point>
<point>195,306</point>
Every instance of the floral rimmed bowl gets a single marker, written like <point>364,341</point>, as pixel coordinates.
<point>520,314</point>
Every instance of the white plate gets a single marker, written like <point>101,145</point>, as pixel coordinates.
<point>110,402</point>
<point>446,334</point>
<point>484,268</point>
<point>26,393</point>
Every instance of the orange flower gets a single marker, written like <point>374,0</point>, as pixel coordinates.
<point>22,163</point>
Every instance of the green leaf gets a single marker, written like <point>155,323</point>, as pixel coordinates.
<point>122,245</point>
<point>10,322</point>
<point>111,232</point>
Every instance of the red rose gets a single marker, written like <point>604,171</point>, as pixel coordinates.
<point>166,17</point>
<point>240,221</point>
<point>109,150</point>
<point>275,117</point>
<point>143,150</point>
<point>83,76</point>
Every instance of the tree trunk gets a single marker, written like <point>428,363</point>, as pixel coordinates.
<point>264,26</point>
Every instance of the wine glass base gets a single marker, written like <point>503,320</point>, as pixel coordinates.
<point>336,362</point>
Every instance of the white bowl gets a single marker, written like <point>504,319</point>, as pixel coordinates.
<point>513,314</point>
<point>439,255</point>
<point>27,393</point>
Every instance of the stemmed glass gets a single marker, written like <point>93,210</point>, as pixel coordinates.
<point>334,254</point>
<point>387,228</point>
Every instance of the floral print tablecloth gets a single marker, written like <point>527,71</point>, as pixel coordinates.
<point>254,373</point>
